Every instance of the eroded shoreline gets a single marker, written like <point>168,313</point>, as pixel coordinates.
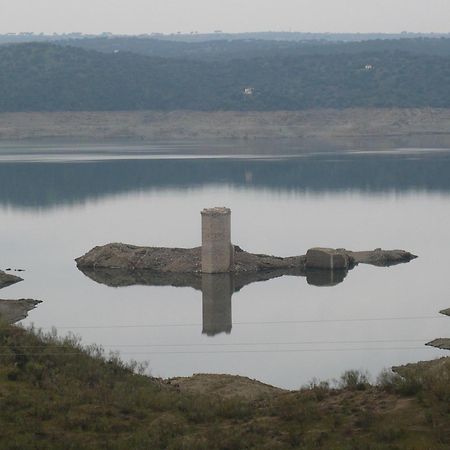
<point>158,125</point>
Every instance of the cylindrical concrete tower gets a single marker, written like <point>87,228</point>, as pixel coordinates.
<point>217,250</point>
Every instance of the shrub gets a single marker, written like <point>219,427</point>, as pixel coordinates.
<point>354,380</point>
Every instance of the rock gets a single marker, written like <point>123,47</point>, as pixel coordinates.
<point>434,366</point>
<point>12,311</point>
<point>328,259</point>
<point>382,258</point>
<point>122,265</point>
<point>177,260</point>
<point>442,343</point>
<point>7,280</point>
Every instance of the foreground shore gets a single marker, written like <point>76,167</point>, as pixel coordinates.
<point>154,125</point>
<point>56,394</point>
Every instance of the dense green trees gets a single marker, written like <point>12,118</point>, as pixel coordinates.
<point>46,77</point>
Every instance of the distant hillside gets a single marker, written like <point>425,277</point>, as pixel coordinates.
<point>221,49</point>
<point>46,77</point>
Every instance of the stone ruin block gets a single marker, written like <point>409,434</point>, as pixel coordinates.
<point>328,259</point>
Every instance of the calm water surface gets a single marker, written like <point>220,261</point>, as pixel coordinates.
<point>57,202</point>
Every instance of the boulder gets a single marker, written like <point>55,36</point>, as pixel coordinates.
<point>328,259</point>
<point>382,258</point>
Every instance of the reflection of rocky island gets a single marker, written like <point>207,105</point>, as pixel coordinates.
<point>217,289</point>
<point>125,265</point>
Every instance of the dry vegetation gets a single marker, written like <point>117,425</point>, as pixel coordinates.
<point>55,394</point>
<point>154,125</point>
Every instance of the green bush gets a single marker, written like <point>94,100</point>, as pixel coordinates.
<point>354,380</point>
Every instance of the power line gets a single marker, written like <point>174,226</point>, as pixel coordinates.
<point>229,351</point>
<point>243,344</point>
<point>281,322</point>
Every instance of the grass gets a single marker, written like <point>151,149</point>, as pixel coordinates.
<point>56,394</point>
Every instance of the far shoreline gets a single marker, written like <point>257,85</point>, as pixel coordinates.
<point>422,125</point>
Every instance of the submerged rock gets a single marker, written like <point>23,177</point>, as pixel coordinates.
<point>7,280</point>
<point>12,311</point>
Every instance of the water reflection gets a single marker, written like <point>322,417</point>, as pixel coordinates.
<point>325,277</point>
<point>217,289</point>
<point>378,318</point>
<point>43,184</point>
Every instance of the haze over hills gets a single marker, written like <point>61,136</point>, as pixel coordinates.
<point>49,77</point>
<point>219,36</point>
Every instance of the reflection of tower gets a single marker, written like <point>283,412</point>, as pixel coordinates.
<point>217,291</point>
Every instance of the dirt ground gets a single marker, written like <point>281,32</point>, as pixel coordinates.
<point>226,386</point>
<point>154,125</point>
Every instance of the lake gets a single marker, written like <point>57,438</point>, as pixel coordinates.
<point>57,201</point>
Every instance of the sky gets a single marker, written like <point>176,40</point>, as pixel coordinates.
<point>170,16</point>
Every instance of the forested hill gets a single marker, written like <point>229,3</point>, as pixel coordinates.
<point>47,77</point>
<point>251,48</point>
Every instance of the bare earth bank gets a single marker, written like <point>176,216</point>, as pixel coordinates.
<point>156,125</point>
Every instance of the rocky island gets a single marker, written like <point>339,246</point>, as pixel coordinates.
<point>188,261</point>
<point>12,311</point>
<point>441,343</point>
<point>123,264</point>
<point>7,279</point>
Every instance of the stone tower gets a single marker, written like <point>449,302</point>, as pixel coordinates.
<point>217,250</point>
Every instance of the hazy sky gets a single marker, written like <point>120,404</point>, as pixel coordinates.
<point>146,16</point>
